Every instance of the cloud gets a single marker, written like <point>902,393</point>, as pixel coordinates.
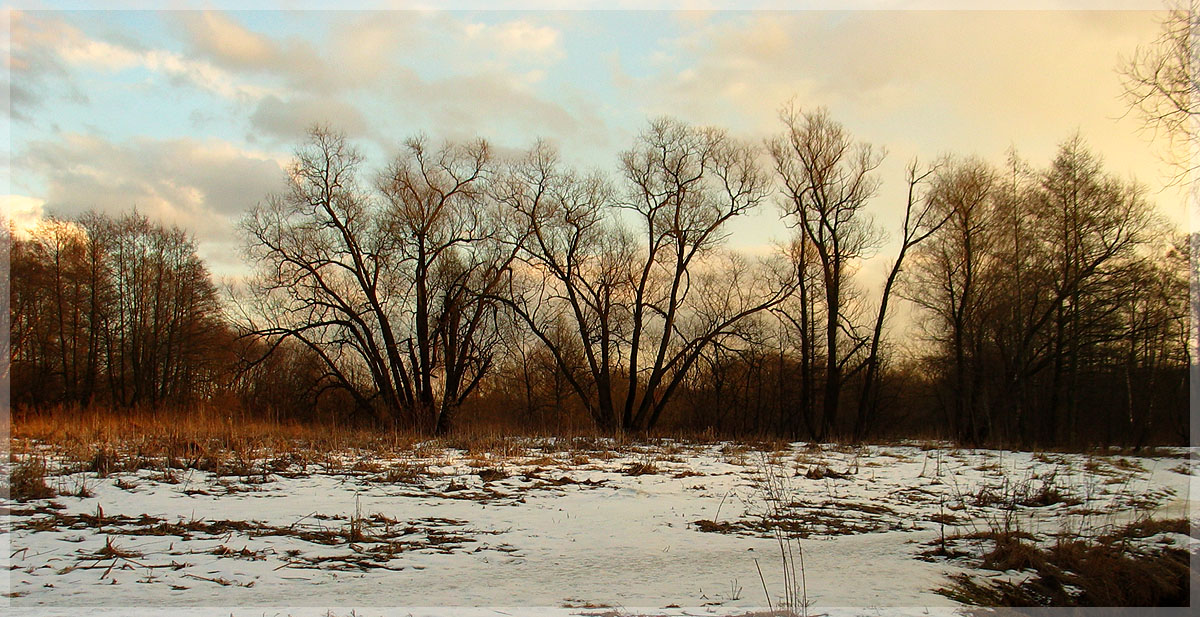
<point>199,185</point>
<point>291,119</point>
<point>920,83</point>
<point>1009,67</point>
<point>362,48</point>
<point>468,103</point>
<point>22,212</point>
<point>372,69</point>
<point>45,48</point>
<point>215,38</point>
<point>227,42</point>
<point>35,71</point>
<point>520,37</point>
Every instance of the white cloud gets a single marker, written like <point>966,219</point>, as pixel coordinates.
<point>58,43</point>
<point>371,73</point>
<point>517,37</point>
<point>228,41</point>
<point>23,212</point>
<point>199,185</point>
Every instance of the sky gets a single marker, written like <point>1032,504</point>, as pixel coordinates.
<point>190,115</point>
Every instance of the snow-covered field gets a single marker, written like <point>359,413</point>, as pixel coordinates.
<point>555,529</point>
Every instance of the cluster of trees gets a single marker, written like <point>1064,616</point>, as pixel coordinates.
<point>460,285</point>
<point>1051,307</point>
<point>111,311</point>
<point>1059,303</point>
<point>411,291</point>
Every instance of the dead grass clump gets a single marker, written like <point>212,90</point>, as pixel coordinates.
<point>105,461</point>
<point>112,551</point>
<point>80,490</point>
<point>1012,551</point>
<point>1082,574</point>
<point>641,468</point>
<point>943,518</point>
<point>1043,457</point>
<point>1047,495</point>
<point>405,472</point>
<point>821,472</point>
<point>1096,466</point>
<point>487,443</point>
<point>366,466</point>
<point>1182,469</point>
<point>1106,571</point>
<point>541,461</point>
<point>715,527</point>
<point>1153,527</point>
<point>1028,493</point>
<point>289,462</point>
<point>491,474</point>
<point>28,480</point>
<point>1127,464</point>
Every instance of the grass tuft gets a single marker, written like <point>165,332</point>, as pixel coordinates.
<point>28,480</point>
<point>1111,570</point>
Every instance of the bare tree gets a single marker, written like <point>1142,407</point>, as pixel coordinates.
<point>449,235</point>
<point>922,218</point>
<point>947,280</point>
<point>321,252</point>
<point>827,180</point>
<point>1162,82</point>
<point>123,306</point>
<point>393,290</point>
<point>802,318</point>
<point>1152,346</point>
<point>575,271</point>
<point>1094,225</point>
<point>684,185</point>
<point>1025,286</point>
<point>642,310</point>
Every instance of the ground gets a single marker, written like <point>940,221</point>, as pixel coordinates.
<point>553,527</point>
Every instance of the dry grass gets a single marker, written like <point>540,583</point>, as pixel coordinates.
<point>28,480</point>
<point>1109,570</point>
<point>641,468</point>
<point>102,437</point>
<point>105,441</point>
<point>369,541</point>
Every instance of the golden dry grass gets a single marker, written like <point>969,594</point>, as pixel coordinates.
<point>103,441</point>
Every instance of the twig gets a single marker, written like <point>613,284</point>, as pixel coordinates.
<point>764,584</point>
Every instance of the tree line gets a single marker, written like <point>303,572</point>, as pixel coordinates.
<point>460,286</point>
<point>114,311</point>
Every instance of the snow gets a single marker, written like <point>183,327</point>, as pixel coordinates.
<point>572,537</point>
